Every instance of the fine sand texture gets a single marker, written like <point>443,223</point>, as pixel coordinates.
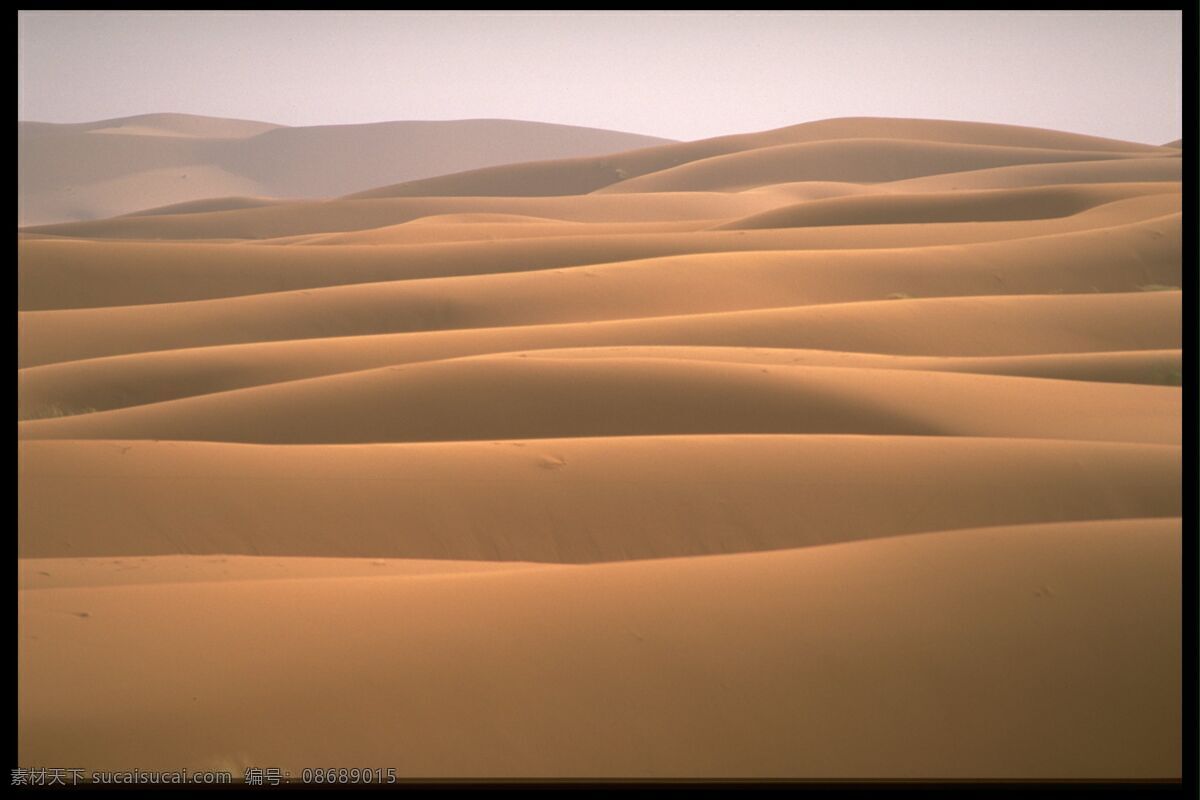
<point>847,450</point>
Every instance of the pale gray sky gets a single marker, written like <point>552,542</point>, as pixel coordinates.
<point>683,75</point>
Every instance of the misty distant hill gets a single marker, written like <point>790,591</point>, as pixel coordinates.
<point>81,171</point>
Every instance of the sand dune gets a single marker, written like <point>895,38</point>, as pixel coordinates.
<point>179,125</point>
<point>1058,325</point>
<point>209,204</point>
<point>1115,259</point>
<point>940,130</point>
<point>551,397</point>
<point>352,153</point>
<point>1168,169</point>
<point>856,160</point>
<point>308,217</point>
<point>525,674</point>
<point>100,169</point>
<point>121,381</point>
<point>963,206</point>
<point>64,273</point>
<point>851,449</point>
<point>565,500</point>
<point>707,166</point>
<point>588,174</point>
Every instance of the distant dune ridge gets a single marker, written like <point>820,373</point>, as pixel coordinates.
<point>850,449</point>
<point>101,169</point>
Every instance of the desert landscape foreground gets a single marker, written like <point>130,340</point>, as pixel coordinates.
<point>850,449</point>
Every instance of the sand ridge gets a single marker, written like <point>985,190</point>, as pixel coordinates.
<point>1115,259</point>
<point>51,276</point>
<point>102,169</point>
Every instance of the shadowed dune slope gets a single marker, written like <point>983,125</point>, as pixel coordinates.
<point>209,204</point>
<point>1163,169</point>
<point>549,397</point>
<point>331,216</point>
<point>122,381</point>
<point>856,160</point>
<point>963,206</point>
<point>1062,325</point>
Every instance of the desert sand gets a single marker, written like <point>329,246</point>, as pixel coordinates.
<point>117,166</point>
<point>846,450</point>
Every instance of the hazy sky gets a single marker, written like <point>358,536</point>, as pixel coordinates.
<point>683,75</point>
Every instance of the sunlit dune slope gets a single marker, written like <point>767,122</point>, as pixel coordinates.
<point>896,658</point>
